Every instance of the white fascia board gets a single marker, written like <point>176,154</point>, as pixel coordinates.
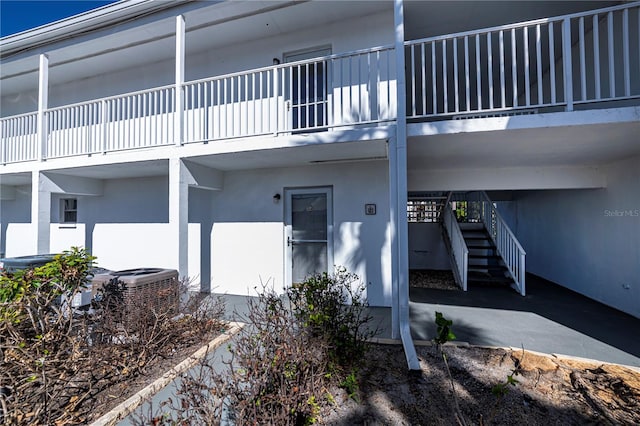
<point>64,28</point>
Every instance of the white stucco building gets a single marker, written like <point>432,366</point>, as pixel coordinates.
<point>241,142</point>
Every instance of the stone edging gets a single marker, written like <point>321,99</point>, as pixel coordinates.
<point>127,407</point>
<point>386,341</point>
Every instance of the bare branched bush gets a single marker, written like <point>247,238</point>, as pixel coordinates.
<point>283,366</point>
<point>56,361</point>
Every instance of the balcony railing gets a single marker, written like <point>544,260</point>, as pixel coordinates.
<point>332,92</point>
<point>19,138</point>
<point>546,63</point>
<point>560,63</point>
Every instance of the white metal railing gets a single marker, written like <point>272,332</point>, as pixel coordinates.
<point>19,138</point>
<point>329,92</point>
<point>459,249</point>
<point>507,245</point>
<point>573,59</point>
<point>116,123</point>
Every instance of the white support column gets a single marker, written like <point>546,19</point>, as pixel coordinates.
<point>43,103</point>
<point>399,191</point>
<point>40,212</point>
<point>179,98</point>
<point>179,213</point>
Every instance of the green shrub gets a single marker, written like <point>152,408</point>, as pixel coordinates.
<point>334,307</point>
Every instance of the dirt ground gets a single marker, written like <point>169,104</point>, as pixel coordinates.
<point>550,391</point>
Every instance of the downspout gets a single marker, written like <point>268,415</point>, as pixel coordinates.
<point>399,159</point>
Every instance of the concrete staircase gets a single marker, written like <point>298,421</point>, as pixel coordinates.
<point>485,266</point>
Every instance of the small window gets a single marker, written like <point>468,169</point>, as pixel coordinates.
<point>69,209</point>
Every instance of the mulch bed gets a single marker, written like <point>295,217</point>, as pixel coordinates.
<point>429,278</point>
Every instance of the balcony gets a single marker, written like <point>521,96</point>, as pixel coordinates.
<point>579,61</point>
<point>328,93</point>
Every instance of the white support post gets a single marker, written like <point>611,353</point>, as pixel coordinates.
<point>43,102</point>
<point>398,195</point>
<point>179,214</point>
<point>179,94</point>
<point>40,212</point>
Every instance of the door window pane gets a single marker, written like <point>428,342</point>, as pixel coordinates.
<point>309,216</point>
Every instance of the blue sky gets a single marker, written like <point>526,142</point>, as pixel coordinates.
<point>20,15</point>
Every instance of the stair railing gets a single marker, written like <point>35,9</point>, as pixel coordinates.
<point>507,244</point>
<point>459,250</point>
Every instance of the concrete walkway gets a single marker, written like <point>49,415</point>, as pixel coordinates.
<point>550,319</point>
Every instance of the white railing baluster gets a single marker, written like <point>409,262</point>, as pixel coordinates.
<point>423,69</point>
<point>625,52</point>
<point>455,75</point>
<point>434,88</point>
<point>527,71</point>
<point>539,64</point>
<point>502,77</point>
<point>596,55</point>
<point>478,74</point>
<point>612,71</point>
<point>104,114</point>
<point>445,85</point>
<point>490,69</point>
<point>413,81</point>
<point>566,63</point>
<point>552,64</point>
<point>466,73</point>
<point>514,67</point>
<point>581,51</point>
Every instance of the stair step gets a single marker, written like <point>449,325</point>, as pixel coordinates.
<point>470,226</point>
<point>484,256</point>
<point>476,237</point>
<point>473,246</point>
<point>485,268</point>
<point>489,280</point>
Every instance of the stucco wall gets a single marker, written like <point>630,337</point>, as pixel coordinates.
<point>236,235</point>
<point>426,247</point>
<point>15,215</point>
<point>586,240</point>
<point>248,244</point>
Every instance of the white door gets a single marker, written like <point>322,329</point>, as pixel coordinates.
<point>309,230</point>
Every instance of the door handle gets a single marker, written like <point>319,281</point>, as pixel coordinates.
<point>289,241</point>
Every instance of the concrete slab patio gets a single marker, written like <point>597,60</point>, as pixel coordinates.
<point>550,319</point>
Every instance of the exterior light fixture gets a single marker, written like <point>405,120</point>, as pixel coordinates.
<point>276,198</point>
<point>276,61</point>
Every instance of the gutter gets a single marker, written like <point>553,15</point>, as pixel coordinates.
<point>91,20</point>
<point>398,166</point>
